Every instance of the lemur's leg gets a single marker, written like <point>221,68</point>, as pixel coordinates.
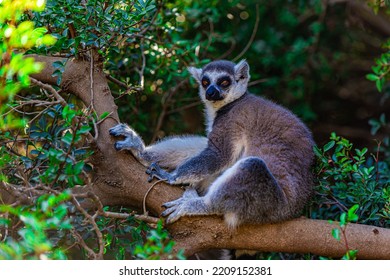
<point>246,192</point>
<point>167,153</point>
<point>172,151</point>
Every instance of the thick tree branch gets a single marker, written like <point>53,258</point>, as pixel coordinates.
<point>118,179</point>
<point>296,236</point>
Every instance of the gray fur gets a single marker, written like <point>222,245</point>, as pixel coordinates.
<point>258,156</point>
<point>167,153</point>
<point>220,66</point>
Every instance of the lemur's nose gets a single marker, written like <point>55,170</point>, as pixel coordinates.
<point>212,93</point>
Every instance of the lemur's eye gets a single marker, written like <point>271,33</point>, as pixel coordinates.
<point>225,83</point>
<point>205,82</point>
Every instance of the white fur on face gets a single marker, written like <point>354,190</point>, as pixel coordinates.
<point>235,91</point>
<point>238,87</point>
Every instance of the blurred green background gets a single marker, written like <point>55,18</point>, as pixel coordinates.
<point>311,56</point>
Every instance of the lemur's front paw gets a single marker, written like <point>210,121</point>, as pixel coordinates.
<point>120,130</point>
<point>131,142</point>
<point>155,171</point>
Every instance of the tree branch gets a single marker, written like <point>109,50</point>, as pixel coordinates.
<point>118,179</point>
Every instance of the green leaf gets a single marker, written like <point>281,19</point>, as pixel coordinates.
<point>372,77</point>
<point>343,219</point>
<point>336,233</point>
<point>352,216</point>
<point>58,65</point>
<point>379,85</point>
<point>317,151</point>
<point>84,129</point>
<point>4,222</point>
<point>102,116</point>
<point>68,114</point>
<point>48,40</point>
<point>67,138</point>
<point>329,146</point>
<point>78,167</point>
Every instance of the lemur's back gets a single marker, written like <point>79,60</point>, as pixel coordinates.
<point>264,129</point>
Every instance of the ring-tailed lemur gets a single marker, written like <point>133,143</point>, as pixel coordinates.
<point>253,167</point>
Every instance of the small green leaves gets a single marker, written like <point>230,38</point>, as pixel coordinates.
<point>68,114</point>
<point>380,70</point>
<point>157,246</point>
<point>354,181</point>
<point>15,68</point>
<point>377,124</point>
<point>49,213</point>
<point>350,255</point>
<point>345,218</point>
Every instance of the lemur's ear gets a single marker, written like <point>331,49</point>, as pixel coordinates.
<point>241,70</point>
<point>195,72</point>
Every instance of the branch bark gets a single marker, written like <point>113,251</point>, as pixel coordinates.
<point>118,179</point>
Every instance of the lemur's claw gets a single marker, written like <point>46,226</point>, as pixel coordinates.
<point>150,177</point>
<point>118,130</point>
<point>155,171</point>
<point>117,146</point>
<point>112,132</point>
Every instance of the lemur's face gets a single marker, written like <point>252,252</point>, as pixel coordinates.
<point>216,85</point>
<point>221,82</point>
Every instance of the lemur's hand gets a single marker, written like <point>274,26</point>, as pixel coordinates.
<point>131,142</point>
<point>155,171</point>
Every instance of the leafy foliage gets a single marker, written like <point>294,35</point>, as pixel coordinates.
<point>14,68</point>
<point>349,177</point>
<point>33,240</point>
<point>158,246</point>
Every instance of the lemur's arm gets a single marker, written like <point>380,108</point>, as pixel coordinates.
<point>167,153</point>
<point>210,161</point>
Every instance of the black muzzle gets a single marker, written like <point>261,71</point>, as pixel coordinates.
<point>213,93</point>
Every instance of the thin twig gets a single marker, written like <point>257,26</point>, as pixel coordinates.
<point>14,191</point>
<point>92,221</point>
<point>146,218</point>
<point>210,36</point>
<point>124,85</point>
<point>259,81</point>
<point>103,119</point>
<point>82,243</point>
<point>143,65</point>
<point>230,50</point>
<point>116,215</point>
<point>146,195</point>
<point>183,108</point>
<point>40,113</point>
<point>50,89</point>
<point>165,106</point>
<point>252,36</point>
<point>321,20</point>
